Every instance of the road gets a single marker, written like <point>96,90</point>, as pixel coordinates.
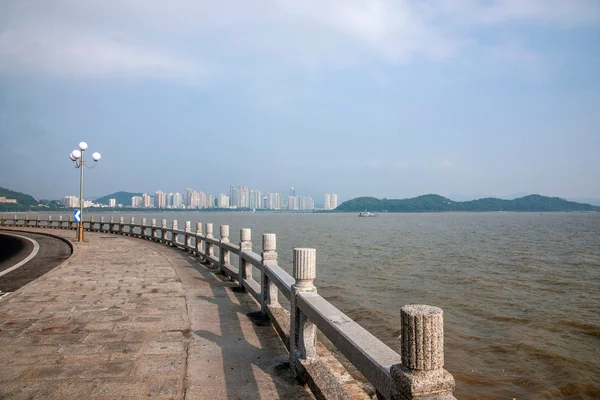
<point>32,254</point>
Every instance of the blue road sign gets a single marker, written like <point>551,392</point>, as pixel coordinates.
<point>77,215</point>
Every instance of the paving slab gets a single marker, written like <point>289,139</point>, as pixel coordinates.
<point>134,319</point>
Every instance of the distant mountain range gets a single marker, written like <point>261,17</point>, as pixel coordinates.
<point>120,198</point>
<point>425,203</point>
<point>437,203</point>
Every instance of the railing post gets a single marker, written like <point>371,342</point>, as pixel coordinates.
<point>37,221</point>
<point>153,228</point>
<point>244,267</point>
<point>188,237</point>
<point>101,226</point>
<point>60,222</point>
<point>143,229</point>
<point>15,220</point>
<point>3,221</point>
<point>121,225</point>
<point>223,253</point>
<point>199,242</point>
<point>111,225</point>
<point>70,223</point>
<point>26,221</point>
<point>269,292</point>
<point>174,233</point>
<point>92,224</point>
<point>302,330</point>
<point>131,223</point>
<point>49,221</point>
<point>163,231</point>
<point>421,374</point>
<point>210,248</point>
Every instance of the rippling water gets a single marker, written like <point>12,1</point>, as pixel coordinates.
<point>520,291</point>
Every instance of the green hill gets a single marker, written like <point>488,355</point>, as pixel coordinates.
<point>437,203</point>
<point>22,198</point>
<point>120,197</point>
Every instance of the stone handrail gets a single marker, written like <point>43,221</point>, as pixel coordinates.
<point>416,373</point>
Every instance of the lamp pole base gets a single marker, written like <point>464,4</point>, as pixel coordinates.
<point>80,232</point>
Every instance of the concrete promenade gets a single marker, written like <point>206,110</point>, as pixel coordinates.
<point>128,318</point>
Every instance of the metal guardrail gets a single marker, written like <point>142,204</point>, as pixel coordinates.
<point>416,373</point>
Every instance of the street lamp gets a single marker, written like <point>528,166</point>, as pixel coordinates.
<point>78,162</point>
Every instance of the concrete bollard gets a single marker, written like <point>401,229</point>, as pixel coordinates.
<point>174,229</point>
<point>92,224</point>
<point>37,221</point>
<point>210,248</point>
<point>131,226</point>
<point>121,225</point>
<point>101,227</point>
<point>70,223</point>
<point>15,220</point>
<point>188,237</point>
<point>60,222</point>
<point>163,231</point>
<point>112,224</point>
<point>422,372</point>
<point>269,292</point>
<point>244,267</point>
<point>199,242</point>
<point>223,253</point>
<point>153,228</point>
<point>49,225</point>
<point>143,229</point>
<point>26,221</point>
<point>302,331</point>
<point>3,221</point>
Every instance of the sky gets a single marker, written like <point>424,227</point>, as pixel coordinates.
<point>394,99</point>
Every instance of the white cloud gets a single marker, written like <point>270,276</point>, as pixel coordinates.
<point>182,38</point>
<point>60,52</point>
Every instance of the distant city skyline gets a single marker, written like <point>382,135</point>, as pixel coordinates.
<point>382,98</point>
<point>239,197</point>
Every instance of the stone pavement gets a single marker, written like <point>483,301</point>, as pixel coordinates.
<point>128,318</point>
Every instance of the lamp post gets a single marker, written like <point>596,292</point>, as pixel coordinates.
<point>79,162</point>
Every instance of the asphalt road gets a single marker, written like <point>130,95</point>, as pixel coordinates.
<point>13,250</point>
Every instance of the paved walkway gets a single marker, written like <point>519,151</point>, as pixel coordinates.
<point>128,318</point>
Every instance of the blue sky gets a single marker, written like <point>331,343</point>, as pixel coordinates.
<point>393,99</point>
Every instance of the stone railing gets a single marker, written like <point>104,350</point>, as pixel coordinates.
<point>416,373</point>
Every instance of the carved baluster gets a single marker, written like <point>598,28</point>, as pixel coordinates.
<point>302,330</point>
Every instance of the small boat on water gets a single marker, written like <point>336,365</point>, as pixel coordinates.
<point>367,214</point>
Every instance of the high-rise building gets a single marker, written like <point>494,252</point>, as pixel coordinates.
<point>136,202</point>
<point>327,204</point>
<point>292,192</point>
<point>210,201</point>
<point>224,201</point>
<point>160,199</point>
<point>235,196</point>
<point>146,200</point>
<point>187,197</point>
<point>334,201</point>
<point>244,197</point>
<point>305,203</point>
<point>112,202</point>
<point>70,201</point>
<point>255,199</point>
<point>274,201</point>
<point>198,200</point>
<point>292,203</point>
<point>177,200</point>
<point>170,200</point>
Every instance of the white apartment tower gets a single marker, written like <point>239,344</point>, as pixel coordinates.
<point>334,201</point>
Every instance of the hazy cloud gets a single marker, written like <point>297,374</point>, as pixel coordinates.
<point>186,38</point>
